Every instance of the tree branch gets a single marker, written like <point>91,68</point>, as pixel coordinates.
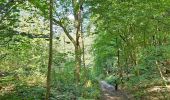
<point>65,31</point>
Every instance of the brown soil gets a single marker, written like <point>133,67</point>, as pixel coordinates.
<point>113,95</point>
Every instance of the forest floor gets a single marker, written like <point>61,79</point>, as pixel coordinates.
<point>109,93</point>
<point>153,93</point>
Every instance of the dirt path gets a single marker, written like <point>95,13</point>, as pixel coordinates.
<point>109,92</point>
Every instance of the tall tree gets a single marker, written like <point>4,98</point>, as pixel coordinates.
<point>64,9</point>
<point>50,51</point>
<point>63,21</point>
<point>77,17</point>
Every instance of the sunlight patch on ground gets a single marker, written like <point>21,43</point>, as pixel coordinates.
<point>89,83</point>
<point>7,89</point>
<point>159,89</point>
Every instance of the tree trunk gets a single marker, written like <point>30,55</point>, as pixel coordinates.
<point>77,49</point>
<point>118,61</point>
<point>78,63</point>
<point>50,52</point>
<point>76,42</point>
<point>77,16</point>
<point>82,40</point>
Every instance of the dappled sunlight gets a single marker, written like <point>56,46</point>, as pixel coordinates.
<point>159,89</point>
<point>8,89</point>
<point>110,94</point>
<point>84,49</point>
<point>88,83</point>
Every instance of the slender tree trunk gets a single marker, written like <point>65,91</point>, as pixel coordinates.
<point>78,49</point>
<point>118,60</point>
<point>82,40</point>
<point>85,75</point>
<point>50,52</point>
<point>77,16</point>
<point>118,63</point>
<point>82,36</point>
<point>64,44</point>
<point>78,62</point>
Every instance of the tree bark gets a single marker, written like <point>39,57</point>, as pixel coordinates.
<point>50,52</point>
<point>82,40</point>
<point>76,42</point>
<point>118,60</point>
<point>77,16</point>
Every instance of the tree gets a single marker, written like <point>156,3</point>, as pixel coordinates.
<point>50,51</point>
<point>63,9</point>
<point>64,22</point>
<point>138,25</point>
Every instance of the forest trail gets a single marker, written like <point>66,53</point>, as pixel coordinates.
<point>109,92</point>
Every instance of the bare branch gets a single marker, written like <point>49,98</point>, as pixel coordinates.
<point>65,31</point>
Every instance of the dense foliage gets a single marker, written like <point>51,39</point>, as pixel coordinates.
<point>132,42</point>
<point>124,42</point>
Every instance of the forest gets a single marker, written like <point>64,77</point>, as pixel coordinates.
<point>84,49</point>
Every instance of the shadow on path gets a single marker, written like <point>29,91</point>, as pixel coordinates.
<point>109,92</point>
